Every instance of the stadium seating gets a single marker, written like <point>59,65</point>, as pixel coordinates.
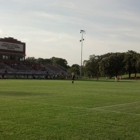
<point>27,70</point>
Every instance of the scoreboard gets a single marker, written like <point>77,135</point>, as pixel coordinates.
<point>11,45</point>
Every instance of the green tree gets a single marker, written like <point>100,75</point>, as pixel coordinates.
<point>30,59</point>
<point>59,61</point>
<point>40,60</point>
<point>112,65</point>
<point>138,63</point>
<point>74,68</point>
<point>91,67</point>
<point>130,61</point>
<point>47,61</point>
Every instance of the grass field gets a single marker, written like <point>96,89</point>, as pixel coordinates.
<point>60,110</point>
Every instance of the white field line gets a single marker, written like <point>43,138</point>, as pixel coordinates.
<point>119,112</point>
<point>102,108</point>
<point>125,104</point>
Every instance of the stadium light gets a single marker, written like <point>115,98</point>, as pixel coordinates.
<point>82,32</point>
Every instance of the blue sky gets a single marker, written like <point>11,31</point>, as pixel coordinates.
<point>52,27</point>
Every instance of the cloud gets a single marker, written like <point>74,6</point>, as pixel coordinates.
<point>1,32</point>
<point>52,27</point>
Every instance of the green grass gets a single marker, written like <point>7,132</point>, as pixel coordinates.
<point>60,110</point>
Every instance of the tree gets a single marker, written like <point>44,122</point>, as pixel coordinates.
<point>30,59</point>
<point>47,61</point>
<point>112,65</point>
<point>91,67</point>
<point>138,63</point>
<point>74,68</point>
<point>40,60</point>
<point>130,61</point>
<point>59,61</point>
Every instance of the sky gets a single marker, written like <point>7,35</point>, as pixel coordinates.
<point>51,28</point>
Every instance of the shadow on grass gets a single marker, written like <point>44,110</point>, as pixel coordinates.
<point>14,93</point>
<point>23,94</point>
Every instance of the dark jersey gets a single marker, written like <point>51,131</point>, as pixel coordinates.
<point>73,77</point>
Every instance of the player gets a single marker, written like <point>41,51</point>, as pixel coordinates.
<point>73,77</point>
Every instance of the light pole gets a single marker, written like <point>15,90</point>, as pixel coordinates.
<point>82,32</point>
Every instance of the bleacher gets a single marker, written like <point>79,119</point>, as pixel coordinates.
<point>21,69</point>
<point>54,69</point>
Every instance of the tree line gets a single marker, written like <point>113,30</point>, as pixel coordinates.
<point>113,64</point>
<point>52,61</point>
<point>110,64</point>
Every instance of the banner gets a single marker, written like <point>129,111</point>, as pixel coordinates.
<point>11,46</point>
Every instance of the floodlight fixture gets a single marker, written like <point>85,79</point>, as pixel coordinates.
<point>82,31</point>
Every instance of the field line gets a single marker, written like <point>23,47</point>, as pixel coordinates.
<point>124,104</point>
<point>102,108</point>
<point>119,112</point>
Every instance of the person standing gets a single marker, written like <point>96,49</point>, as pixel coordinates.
<point>73,77</point>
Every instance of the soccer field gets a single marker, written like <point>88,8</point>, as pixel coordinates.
<point>60,110</point>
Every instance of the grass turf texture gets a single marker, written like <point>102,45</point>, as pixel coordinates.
<point>60,110</point>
